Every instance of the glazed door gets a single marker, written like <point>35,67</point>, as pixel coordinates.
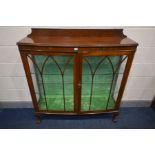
<point>74,82</point>
<point>53,81</point>
<point>101,79</point>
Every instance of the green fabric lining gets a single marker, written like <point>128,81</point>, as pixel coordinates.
<point>53,87</point>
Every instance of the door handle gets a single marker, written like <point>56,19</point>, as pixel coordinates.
<point>79,84</point>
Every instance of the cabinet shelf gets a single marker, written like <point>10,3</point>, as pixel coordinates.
<point>55,103</point>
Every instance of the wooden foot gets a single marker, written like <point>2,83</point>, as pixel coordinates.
<point>114,116</point>
<point>153,104</point>
<point>38,119</point>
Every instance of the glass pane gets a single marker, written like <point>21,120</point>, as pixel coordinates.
<point>101,77</point>
<point>53,81</point>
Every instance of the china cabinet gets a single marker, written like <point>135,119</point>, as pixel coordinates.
<point>76,71</point>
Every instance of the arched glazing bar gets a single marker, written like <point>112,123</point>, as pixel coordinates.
<point>41,75</point>
<point>62,72</point>
<point>110,62</point>
<point>114,73</point>
<point>93,74</point>
<point>115,76</point>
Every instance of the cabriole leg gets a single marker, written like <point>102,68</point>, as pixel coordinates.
<point>38,118</point>
<point>114,116</point>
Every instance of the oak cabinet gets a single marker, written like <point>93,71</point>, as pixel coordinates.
<point>76,71</point>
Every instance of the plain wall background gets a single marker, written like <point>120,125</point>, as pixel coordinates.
<point>140,85</point>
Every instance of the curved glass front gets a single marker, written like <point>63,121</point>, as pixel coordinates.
<point>53,81</point>
<point>101,78</point>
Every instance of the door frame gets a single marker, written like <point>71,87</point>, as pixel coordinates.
<point>106,52</point>
<point>24,56</point>
<point>78,55</point>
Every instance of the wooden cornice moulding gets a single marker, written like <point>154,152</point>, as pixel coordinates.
<point>77,38</point>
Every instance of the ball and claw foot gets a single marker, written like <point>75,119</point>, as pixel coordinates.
<point>114,117</point>
<point>38,119</point>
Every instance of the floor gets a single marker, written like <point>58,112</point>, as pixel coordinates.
<point>129,118</point>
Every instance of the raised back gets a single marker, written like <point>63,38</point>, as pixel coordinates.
<point>77,32</point>
<point>77,38</point>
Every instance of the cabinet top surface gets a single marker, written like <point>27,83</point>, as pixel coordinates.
<point>77,38</point>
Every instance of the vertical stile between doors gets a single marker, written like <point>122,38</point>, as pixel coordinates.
<point>79,81</point>
<point>76,77</point>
